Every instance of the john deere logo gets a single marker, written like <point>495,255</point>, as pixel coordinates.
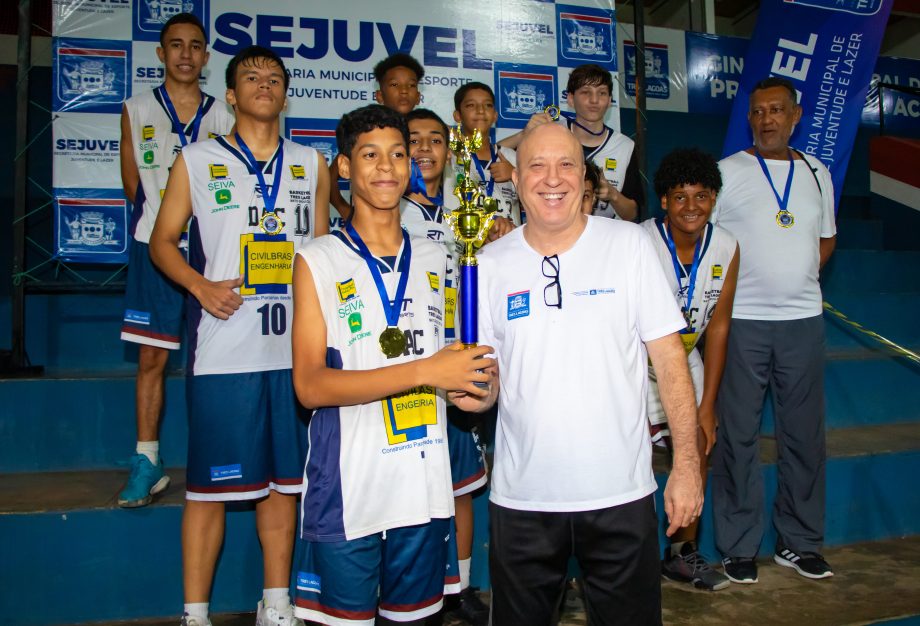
<point>354,322</point>
<point>222,196</point>
<point>148,157</point>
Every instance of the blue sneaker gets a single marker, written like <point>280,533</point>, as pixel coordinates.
<point>146,480</point>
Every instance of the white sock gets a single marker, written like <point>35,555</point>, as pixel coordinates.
<point>276,598</point>
<point>150,449</point>
<point>464,566</point>
<point>197,609</point>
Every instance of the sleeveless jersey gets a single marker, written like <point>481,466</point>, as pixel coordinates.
<point>156,144</point>
<point>384,464</point>
<point>428,222</point>
<point>716,253</point>
<point>509,206</point>
<point>232,236</point>
<point>612,157</point>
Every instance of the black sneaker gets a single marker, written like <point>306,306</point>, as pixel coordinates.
<point>740,569</point>
<point>690,567</point>
<point>469,608</point>
<point>808,564</point>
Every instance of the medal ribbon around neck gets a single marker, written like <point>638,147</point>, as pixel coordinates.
<point>480,169</point>
<point>270,197</point>
<point>417,185</point>
<point>679,271</point>
<point>782,201</point>
<point>392,308</point>
<point>174,117</point>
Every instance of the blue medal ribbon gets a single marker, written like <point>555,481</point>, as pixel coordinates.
<point>269,195</point>
<point>783,201</point>
<point>417,185</point>
<point>679,271</point>
<point>174,117</point>
<point>390,308</point>
<point>490,182</point>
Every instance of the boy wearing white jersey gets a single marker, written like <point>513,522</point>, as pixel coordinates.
<point>252,196</point>
<point>154,126</point>
<point>368,327</point>
<point>422,210</point>
<point>700,261</point>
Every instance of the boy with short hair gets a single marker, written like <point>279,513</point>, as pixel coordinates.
<point>368,328</point>
<point>701,263</point>
<point>397,77</point>
<point>422,209</point>
<point>474,109</point>
<point>592,182</point>
<point>154,126</point>
<point>251,196</point>
<point>590,89</point>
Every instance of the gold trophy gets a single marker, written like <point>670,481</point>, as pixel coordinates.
<point>470,223</point>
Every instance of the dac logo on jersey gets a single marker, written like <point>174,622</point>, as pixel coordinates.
<point>657,81</point>
<point>218,171</point>
<point>148,133</point>
<point>434,281</point>
<point>522,91</point>
<point>518,304</point>
<point>717,272</point>
<point>346,290</point>
<point>585,34</point>
<point>857,7</point>
<point>315,133</point>
<point>307,581</point>
<point>150,15</point>
<point>355,323</point>
<point>91,75</point>
<point>610,164</point>
<point>297,172</point>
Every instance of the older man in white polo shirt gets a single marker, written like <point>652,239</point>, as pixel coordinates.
<point>574,306</point>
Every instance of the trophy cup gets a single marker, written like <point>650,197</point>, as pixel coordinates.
<point>470,223</point>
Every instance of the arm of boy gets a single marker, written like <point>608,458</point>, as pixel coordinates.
<point>501,169</point>
<point>218,298</point>
<point>716,347</point>
<point>130,177</point>
<point>317,385</point>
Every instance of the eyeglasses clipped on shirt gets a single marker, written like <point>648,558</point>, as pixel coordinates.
<point>551,296</point>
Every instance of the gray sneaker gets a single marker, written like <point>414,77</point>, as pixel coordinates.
<point>690,567</point>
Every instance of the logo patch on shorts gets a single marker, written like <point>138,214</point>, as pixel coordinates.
<point>518,304</point>
<point>137,317</point>
<point>226,472</point>
<point>307,581</point>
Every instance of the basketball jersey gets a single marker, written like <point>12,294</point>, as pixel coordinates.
<point>383,464</point>
<point>716,252</point>
<point>232,235</point>
<point>612,157</point>
<point>505,193</point>
<point>156,145</point>
<point>428,222</point>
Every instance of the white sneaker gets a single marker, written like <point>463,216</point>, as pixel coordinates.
<point>191,620</point>
<point>270,616</point>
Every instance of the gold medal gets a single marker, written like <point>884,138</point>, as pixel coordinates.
<point>392,342</point>
<point>271,224</point>
<point>784,218</point>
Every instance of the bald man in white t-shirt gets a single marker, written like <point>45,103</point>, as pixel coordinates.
<point>780,206</point>
<point>574,306</point>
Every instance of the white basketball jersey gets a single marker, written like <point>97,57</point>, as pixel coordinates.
<point>428,222</point>
<point>156,145</point>
<point>232,236</point>
<point>384,464</point>
<point>716,252</point>
<point>509,206</point>
<point>612,157</point>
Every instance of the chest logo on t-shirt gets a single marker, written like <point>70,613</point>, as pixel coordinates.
<point>610,164</point>
<point>148,132</point>
<point>518,304</point>
<point>297,172</point>
<point>717,272</point>
<point>434,281</point>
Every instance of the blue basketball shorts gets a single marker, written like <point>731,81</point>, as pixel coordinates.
<point>467,462</point>
<point>154,305</point>
<point>402,573</point>
<point>247,435</point>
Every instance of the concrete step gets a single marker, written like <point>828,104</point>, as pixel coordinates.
<point>62,531</point>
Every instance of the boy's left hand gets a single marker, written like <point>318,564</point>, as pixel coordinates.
<point>501,226</point>
<point>708,423</point>
<point>501,169</point>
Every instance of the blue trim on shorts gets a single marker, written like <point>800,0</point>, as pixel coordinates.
<point>138,211</point>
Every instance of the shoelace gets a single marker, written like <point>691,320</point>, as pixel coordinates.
<point>696,562</point>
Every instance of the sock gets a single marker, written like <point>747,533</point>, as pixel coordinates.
<point>197,609</point>
<point>464,567</point>
<point>150,449</point>
<point>676,547</point>
<point>276,598</point>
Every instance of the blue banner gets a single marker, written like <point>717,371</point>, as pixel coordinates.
<point>714,66</point>
<point>828,50</point>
